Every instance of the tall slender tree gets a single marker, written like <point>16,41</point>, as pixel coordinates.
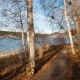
<point>23,37</point>
<point>74,7</point>
<point>16,17</point>
<point>67,23</point>
<point>30,37</point>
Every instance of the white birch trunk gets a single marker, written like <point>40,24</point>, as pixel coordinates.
<point>21,23</point>
<point>24,47</point>
<point>70,36</point>
<point>30,34</point>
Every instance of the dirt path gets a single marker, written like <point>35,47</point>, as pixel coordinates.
<point>56,71</point>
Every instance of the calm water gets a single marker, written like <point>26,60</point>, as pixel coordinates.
<point>9,45</point>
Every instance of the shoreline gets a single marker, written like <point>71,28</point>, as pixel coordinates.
<point>1,36</point>
<point>11,54</point>
<point>13,37</point>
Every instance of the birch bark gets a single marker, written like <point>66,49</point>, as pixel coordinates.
<point>67,23</point>
<point>30,33</point>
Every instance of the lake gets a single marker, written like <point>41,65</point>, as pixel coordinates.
<point>9,45</point>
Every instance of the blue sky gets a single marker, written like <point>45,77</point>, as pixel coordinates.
<point>42,23</point>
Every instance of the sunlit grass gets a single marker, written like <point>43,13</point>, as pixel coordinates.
<point>9,63</point>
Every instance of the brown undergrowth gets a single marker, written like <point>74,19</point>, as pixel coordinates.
<point>76,67</point>
<point>17,68</point>
<point>73,72</point>
<point>10,64</point>
<point>41,62</point>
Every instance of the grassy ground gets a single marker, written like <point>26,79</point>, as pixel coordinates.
<point>39,62</point>
<point>14,67</point>
<point>76,66</point>
<point>73,72</point>
<point>9,64</point>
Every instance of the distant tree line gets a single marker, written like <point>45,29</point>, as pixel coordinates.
<point>2,33</point>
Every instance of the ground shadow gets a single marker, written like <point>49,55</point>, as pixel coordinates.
<point>47,58</point>
<point>76,71</point>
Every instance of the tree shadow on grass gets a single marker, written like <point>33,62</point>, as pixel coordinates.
<point>46,58</point>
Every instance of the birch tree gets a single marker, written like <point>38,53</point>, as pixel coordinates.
<point>67,23</point>
<point>14,15</point>
<point>23,37</point>
<point>30,38</point>
<point>74,7</point>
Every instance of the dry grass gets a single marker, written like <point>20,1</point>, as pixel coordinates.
<point>73,72</point>
<point>47,55</point>
<point>9,64</point>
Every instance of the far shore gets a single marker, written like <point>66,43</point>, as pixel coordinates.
<point>19,37</point>
<point>13,37</point>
